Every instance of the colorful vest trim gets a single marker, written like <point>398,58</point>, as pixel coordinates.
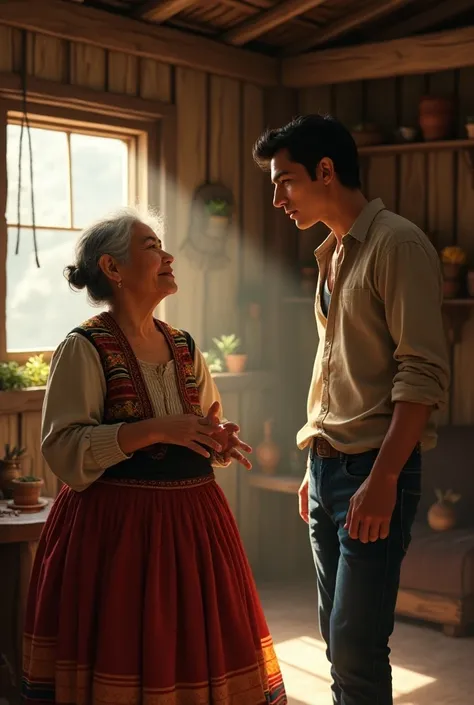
<point>126,398</point>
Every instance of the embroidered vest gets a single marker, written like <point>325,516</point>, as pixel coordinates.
<point>127,398</point>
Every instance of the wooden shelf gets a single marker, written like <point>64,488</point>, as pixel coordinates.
<point>287,484</point>
<point>404,147</point>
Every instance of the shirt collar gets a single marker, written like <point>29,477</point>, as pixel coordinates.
<point>359,228</point>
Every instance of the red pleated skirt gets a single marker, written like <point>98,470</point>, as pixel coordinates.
<point>141,594</point>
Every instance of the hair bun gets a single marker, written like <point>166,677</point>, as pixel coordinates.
<point>75,276</point>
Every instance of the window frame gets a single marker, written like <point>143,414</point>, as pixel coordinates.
<point>152,159</point>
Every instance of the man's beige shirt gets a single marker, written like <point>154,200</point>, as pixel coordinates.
<point>383,340</point>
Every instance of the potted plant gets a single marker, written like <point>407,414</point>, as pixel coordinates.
<point>12,376</point>
<point>10,469</point>
<point>453,259</point>
<point>213,361</point>
<point>228,346</point>
<point>442,515</point>
<point>26,491</point>
<point>367,134</point>
<point>36,371</point>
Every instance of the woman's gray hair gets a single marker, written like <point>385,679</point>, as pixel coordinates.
<point>107,236</point>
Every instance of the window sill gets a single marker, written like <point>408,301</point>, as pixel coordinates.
<point>31,399</point>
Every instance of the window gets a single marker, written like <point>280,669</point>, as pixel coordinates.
<point>79,174</point>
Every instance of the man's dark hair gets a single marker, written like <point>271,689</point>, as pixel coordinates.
<point>309,138</point>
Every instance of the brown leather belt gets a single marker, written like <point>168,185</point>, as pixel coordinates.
<point>323,449</point>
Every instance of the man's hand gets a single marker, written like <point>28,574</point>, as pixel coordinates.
<point>303,498</point>
<point>371,509</point>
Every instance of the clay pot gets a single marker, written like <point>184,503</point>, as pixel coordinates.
<point>9,471</point>
<point>436,117</point>
<point>236,363</point>
<point>267,452</point>
<point>442,516</point>
<point>26,494</point>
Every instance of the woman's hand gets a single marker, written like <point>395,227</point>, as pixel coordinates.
<point>190,431</point>
<point>226,435</point>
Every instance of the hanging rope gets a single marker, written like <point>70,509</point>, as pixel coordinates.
<point>25,122</point>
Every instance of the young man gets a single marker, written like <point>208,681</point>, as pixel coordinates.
<point>381,370</point>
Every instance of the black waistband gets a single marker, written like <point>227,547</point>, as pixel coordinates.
<point>178,463</point>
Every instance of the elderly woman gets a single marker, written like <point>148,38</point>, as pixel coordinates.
<point>141,592</point>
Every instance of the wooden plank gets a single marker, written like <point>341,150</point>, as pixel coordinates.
<point>6,48</point>
<point>350,20</point>
<point>161,10</point>
<point>22,401</point>
<point>49,57</point>
<point>83,99</point>
<point>435,14</point>
<point>191,102</point>
<point>34,462</point>
<point>421,54</point>
<point>381,171</point>
<point>429,606</point>
<point>122,73</point>
<point>274,17</point>
<point>252,244</point>
<point>88,66</point>
<point>412,165</point>
<point>155,80</point>
<point>8,430</point>
<point>112,31</point>
<point>225,167</point>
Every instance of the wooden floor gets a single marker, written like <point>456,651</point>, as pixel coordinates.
<point>428,668</point>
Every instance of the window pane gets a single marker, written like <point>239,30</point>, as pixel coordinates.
<point>99,176</point>
<point>41,308</point>
<point>50,177</point>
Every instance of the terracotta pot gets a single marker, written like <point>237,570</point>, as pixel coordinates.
<point>236,363</point>
<point>9,471</point>
<point>442,516</point>
<point>436,117</point>
<point>26,494</point>
<point>267,452</point>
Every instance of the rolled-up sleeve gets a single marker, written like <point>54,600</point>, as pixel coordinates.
<point>410,284</point>
<point>76,444</point>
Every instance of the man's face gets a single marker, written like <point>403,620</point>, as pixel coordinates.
<point>304,200</point>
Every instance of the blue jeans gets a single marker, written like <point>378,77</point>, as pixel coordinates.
<point>357,582</point>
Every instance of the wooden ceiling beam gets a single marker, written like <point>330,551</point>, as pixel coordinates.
<point>274,17</point>
<point>160,10</point>
<point>104,29</point>
<point>425,53</point>
<point>353,20</point>
<point>422,21</point>
<point>251,7</point>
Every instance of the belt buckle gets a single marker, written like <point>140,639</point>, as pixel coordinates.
<point>323,448</point>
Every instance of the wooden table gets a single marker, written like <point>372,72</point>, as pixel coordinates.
<point>19,537</point>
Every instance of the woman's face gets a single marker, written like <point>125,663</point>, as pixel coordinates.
<point>148,274</point>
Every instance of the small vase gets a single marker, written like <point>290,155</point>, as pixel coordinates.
<point>268,453</point>
<point>9,471</point>
<point>442,516</point>
<point>436,117</point>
